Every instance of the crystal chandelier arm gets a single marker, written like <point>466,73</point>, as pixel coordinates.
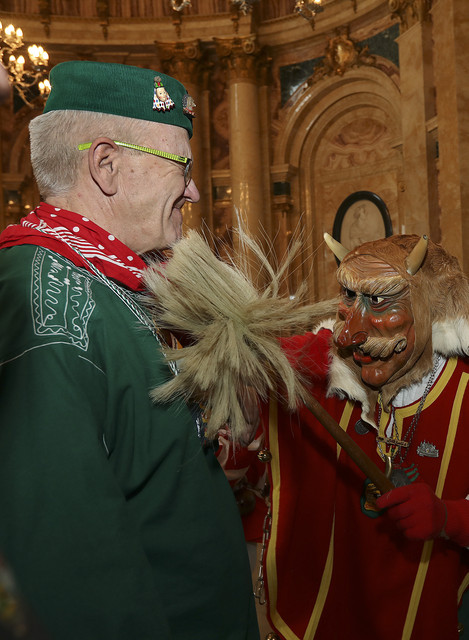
<point>21,74</point>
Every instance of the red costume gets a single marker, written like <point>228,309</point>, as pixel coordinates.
<point>335,568</point>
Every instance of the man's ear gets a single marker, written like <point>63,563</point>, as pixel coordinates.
<point>103,165</point>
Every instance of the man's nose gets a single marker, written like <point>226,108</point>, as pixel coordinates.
<point>191,192</point>
<point>353,333</point>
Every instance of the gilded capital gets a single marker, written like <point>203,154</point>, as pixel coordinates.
<point>181,60</point>
<point>241,56</point>
<point>410,12</point>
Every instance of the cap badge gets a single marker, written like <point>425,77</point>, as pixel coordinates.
<point>161,99</point>
<point>188,105</point>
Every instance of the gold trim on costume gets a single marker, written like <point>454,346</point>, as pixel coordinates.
<point>462,587</point>
<point>405,412</point>
<point>428,546</point>
<point>271,564</point>
<point>327,573</point>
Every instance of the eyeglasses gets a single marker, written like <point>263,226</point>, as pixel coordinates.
<point>187,162</point>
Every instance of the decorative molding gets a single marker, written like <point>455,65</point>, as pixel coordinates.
<point>283,172</point>
<point>282,205</point>
<point>410,12</point>
<point>341,54</point>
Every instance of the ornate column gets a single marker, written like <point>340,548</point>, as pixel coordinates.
<point>420,195</point>
<point>183,60</point>
<point>265,88</point>
<point>282,221</point>
<point>451,70</point>
<point>241,57</point>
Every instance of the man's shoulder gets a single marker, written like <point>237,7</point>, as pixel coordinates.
<point>21,261</point>
<point>45,295</point>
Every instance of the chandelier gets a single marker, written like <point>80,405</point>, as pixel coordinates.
<point>23,75</point>
<point>308,9</point>
<point>244,6</point>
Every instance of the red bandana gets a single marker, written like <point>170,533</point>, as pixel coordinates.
<point>60,230</point>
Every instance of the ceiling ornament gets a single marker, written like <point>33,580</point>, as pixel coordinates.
<point>244,6</point>
<point>178,7</point>
<point>342,53</point>
<point>27,75</point>
<point>308,9</point>
<point>240,7</point>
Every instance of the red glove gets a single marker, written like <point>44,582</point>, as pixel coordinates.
<point>421,515</point>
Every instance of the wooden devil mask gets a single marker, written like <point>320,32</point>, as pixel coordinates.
<point>403,297</point>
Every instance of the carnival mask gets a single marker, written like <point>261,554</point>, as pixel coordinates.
<point>375,319</point>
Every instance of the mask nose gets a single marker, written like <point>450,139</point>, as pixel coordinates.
<point>352,333</point>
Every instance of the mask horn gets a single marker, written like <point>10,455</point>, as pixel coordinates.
<point>337,249</point>
<point>416,256</point>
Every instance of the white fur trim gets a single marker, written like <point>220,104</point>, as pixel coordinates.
<point>325,324</point>
<point>451,337</point>
<point>342,383</point>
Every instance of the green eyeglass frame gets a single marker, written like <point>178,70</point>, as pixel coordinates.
<point>187,162</point>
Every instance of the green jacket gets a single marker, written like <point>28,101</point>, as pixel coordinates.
<point>118,524</point>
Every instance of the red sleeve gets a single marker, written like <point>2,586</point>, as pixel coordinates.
<point>247,475</point>
<point>309,353</point>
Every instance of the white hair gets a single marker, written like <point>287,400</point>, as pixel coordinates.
<point>55,137</point>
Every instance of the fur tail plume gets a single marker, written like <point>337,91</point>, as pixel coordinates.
<point>233,328</point>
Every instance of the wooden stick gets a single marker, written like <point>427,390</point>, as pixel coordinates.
<point>350,447</point>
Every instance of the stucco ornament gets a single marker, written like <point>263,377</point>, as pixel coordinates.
<point>341,54</point>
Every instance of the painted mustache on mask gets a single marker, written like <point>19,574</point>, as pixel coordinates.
<point>376,347</point>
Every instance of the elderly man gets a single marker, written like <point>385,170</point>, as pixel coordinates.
<point>115,516</point>
<point>342,561</point>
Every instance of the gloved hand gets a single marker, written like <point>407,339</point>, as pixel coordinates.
<point>421,515</point>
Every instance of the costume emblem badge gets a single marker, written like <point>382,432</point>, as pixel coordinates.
<point>188,105</point>
<point>161,99</point>
<point>427,450</point>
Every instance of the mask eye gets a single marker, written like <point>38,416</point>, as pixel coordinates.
<point>349,295</point>
<point>377,300</point>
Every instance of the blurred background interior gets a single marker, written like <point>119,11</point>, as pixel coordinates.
<point>346,116</point>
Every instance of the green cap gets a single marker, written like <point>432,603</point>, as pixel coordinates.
<point>122,90</point>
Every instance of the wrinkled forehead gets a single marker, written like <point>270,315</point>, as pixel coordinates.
<point>370,275</point>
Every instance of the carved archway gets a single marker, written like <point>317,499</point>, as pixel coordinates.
<point>357,113</point>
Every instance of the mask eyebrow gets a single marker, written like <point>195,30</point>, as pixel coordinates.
<point>389,286</point>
